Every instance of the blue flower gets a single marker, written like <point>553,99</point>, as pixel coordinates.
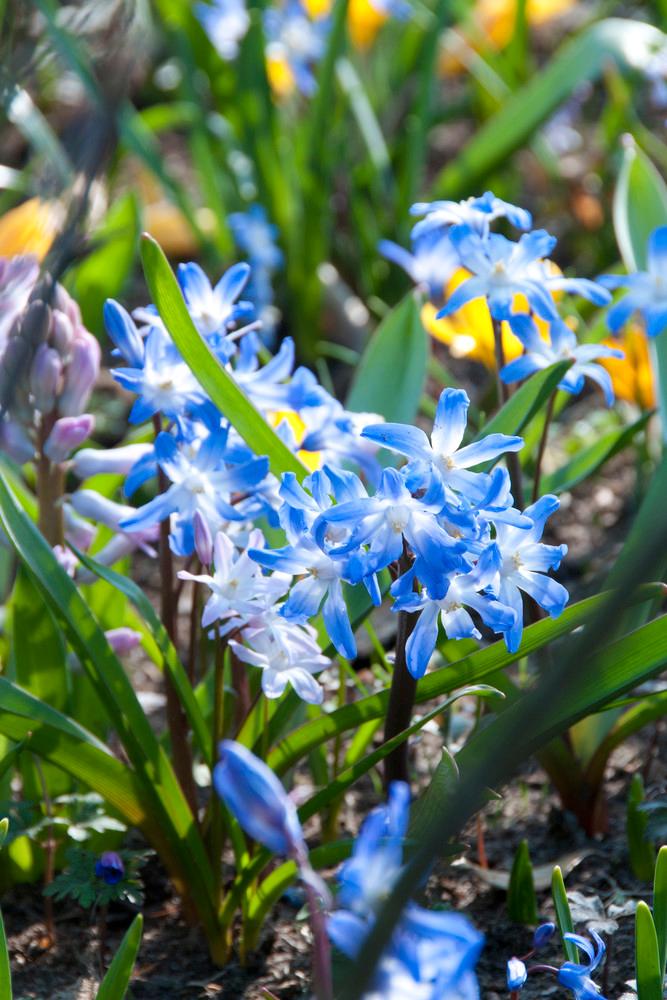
<point>517,974</point>
<point>110,868</point>
<point>256,237</point>
<point>502,269</point>
<point>226,23</point>
<point>432,262</point>
<point>448,463</point>
<point>200,480</point>
<point>300,42</point>
<point>476,213</point>
<point>576,977</point>
<point>647,290</point>
<point>215,309</point>
<point>463,590</point>
<point>543,934</point>
<point>525,563</point>
<point>255,796</point>
<point>561,346</point>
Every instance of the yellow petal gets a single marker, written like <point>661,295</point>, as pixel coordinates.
<point>632,376</point>
<point>311,459</point>
<point>30,228</point>
<point>363,22</point>
<point>281,78</point>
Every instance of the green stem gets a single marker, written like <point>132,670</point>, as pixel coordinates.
<point>216,829</point>
<point>50,489</point>
<point>503,393</point>
<point>543,444</point>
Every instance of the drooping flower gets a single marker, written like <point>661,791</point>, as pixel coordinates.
<point>562,346</point>
<point>577,976</point>
<point>647,290</point>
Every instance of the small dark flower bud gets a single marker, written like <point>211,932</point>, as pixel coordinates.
<point>110,868</point>
<point>543,934</point>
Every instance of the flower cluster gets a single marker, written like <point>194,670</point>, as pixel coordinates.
<point>460,262</point>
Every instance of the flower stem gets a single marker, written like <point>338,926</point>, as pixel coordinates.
<point>176,721</point>
<point>401,703</point>
<point>50,489</point>
<point>216,829</point>
<point>322,981</point>
<point>503,391</point>
<point>543,444</point>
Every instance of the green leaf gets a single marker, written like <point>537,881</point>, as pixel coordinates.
<point>211,375</point>
<point>616,41</point>
<point>117,979</point>
<point>641,850</point>
<point>521,898</point>
<point>160,789</point>
<point>171,662</point>
<point>104,272</point>
<point>392,371</point>
<point>5,968</point>
<point>563,915</point>
<point>442,781</point>
<point>640,205</point>
<point>647,956</point>
<point>470,669</point>
<point>660,906</point>
<point>589,460</point>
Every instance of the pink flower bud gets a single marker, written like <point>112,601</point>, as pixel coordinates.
<point>45,378</point>
<point>203,540</point>
<point>77,531</point>
<point>81,374</point>
<point>62,334</point>
<point>123,640</point>
<point>66,558</point>
<point>67,434</point>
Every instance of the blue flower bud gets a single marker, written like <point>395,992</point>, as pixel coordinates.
<point>110,867</point>
<point>516,974</point>
<point>253,793</point>
<point>543,934</point>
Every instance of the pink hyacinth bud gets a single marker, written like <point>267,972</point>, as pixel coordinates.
<point>123,640</point>
<point>80,533</point>
<point>203,540</point>
<point>67,434</point>
<point>62,334</point>
<point>45,378</point>
<point>66,558</point>
<point>81,375</point>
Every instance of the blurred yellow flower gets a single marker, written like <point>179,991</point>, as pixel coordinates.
<point>469,331</point>
<point>492,23</point>
<point>632,376</point>
<point>364,20</point>
<point>281,77</point>
<point>311,459</point>
<point>30,228</point>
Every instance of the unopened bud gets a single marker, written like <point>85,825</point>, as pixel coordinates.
<point>62,334</point>
<point>79,532</point>
<point>203,540</point>
<point>118,461</point>
<point>45,378</point>
<point>543,934</point>
<point>66,435</point>
<point>81,375</point>
<point>66,558</point>
<point>110,868</point>
<point>516,974</point>
<point>14,440</point>
<point>122,640</point>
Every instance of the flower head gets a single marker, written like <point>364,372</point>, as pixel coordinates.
<point>226,23</point>
<point>110,868</point>
<point>575,976</point>
<point>647,290</point>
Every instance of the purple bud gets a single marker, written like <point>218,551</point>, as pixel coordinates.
<point>66,435</point>
<point>45,378</point>
<point>118,461</point>
<point>110,867</point>
<point>62,334</point>
<point>90,503</point>
<point>14,440</point>
<point>255,796</point>
<point>123,640</point>
<point>77,531</point>
<point>517,974</point>
<point>81,374</point>
<point>203,540</point>
<point>542,934</point>
<point>66,558</point>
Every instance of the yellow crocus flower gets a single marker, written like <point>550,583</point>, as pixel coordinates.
<point>632,375</point>
<point>30,228</point>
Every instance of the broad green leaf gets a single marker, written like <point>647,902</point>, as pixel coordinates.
<point>104,272</point>
<point>589,460</point>
<point>171,662</point>
<point>160,788</point>
<point>15,700</point>
<point>521,898</point>
<point>640,205</point>
<point>117,979</point>
<point>660,906</point>
<point>563,915</point>
<point>648,970</point>
<point>212,376</point>
<point>471,669</point>
<point>442,780</point>
<point>392,371</point>
<point>647,709</point>
<point>616,41</point>
<point>641,850</point>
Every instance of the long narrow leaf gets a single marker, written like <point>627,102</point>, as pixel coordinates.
<point>115,984</point>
